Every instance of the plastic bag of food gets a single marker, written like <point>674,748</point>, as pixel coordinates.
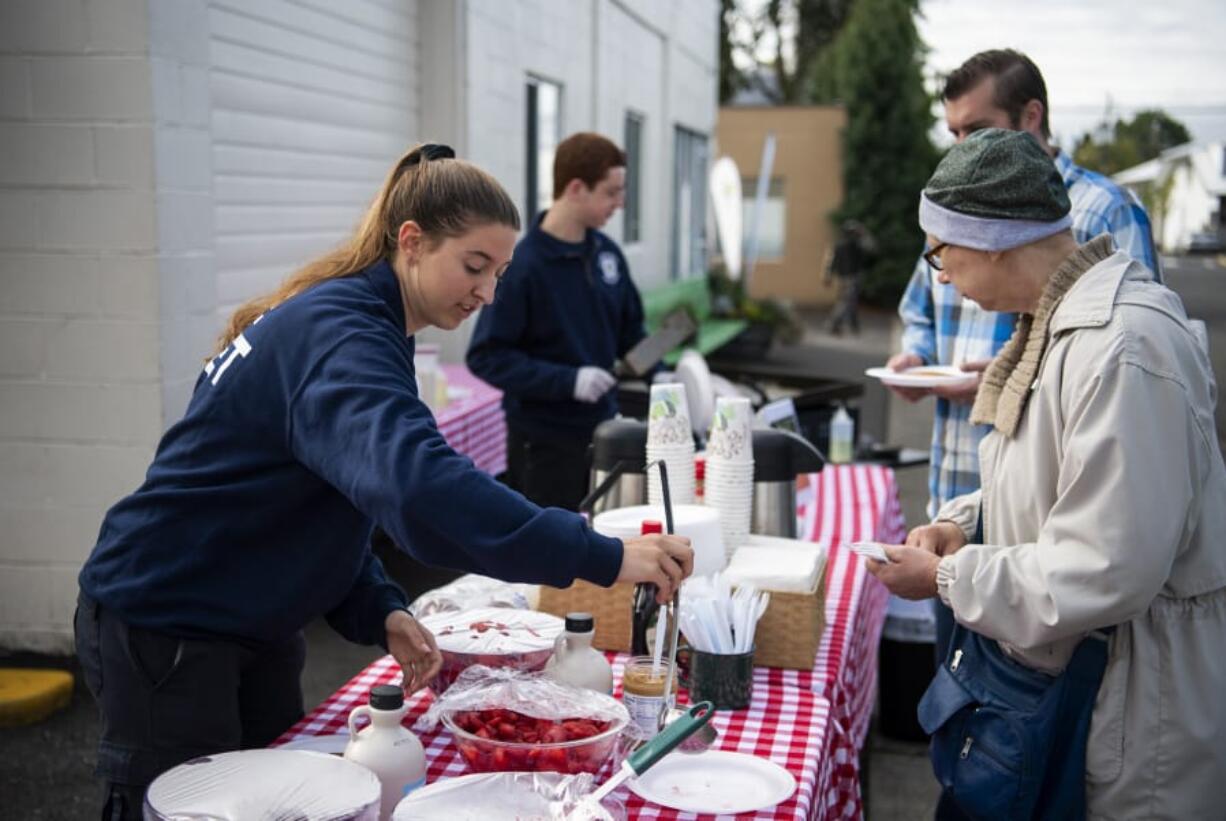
<point>493,637</point>
<point>498,796</point>
<point>472,591</point>
<point>527,693</point>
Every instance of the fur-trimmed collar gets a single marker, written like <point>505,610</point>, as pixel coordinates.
<point>1006,383</point>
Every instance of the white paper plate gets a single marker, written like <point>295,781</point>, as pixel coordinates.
<point>332,744</point>
<point>715,781</point>
<point>692,371</point>
<point>925,376</point>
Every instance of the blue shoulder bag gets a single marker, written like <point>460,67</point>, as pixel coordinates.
<point>1009,742</point>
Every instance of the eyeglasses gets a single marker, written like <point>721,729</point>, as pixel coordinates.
<point>933,256</point>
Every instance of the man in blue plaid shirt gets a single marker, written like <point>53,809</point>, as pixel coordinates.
<point>994,89</point>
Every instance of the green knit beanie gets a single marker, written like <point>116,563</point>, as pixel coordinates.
<point>996,190</point>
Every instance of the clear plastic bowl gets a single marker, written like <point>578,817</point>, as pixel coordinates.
<point>585,755</point>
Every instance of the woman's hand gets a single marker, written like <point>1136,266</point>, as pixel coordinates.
<point>940,539</point>
<point>911,572</point>
<point>662,560</point>
<point>413,648</point>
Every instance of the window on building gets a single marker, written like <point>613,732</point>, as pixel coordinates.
<point>690,155</point>
<point>631,213</point>
<point>771,220</point>
<point>544,134</point>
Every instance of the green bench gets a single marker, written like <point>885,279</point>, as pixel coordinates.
<point>694,294</point>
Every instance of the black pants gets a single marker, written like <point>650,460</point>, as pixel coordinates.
<point>553,472</point>
<point>165,700</point>
<point>846,311</point>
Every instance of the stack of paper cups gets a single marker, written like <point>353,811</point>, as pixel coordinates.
<point>670,439</point>
<point>729,473</point>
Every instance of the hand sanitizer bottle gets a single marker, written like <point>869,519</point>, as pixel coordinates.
<point>842,435</point>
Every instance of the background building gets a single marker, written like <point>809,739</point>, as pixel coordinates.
<point>806,186</point>
<point>164,160</point>
<point>1184,189</point>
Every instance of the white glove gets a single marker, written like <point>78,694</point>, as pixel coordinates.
<point>591,383</point>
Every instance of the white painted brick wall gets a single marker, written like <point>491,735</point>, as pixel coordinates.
<point>179,63</point>
<point>80,410</point>
<point>36,618</point>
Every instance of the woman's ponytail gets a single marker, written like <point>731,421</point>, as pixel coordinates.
<point>446,197</point>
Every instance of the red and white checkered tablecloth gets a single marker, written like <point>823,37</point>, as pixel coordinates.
<point>474,424</point>
<point>848,503</point>
<point>785,724</point>
<point>812,722</point>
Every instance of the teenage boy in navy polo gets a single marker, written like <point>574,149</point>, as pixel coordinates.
<point>564,313</point>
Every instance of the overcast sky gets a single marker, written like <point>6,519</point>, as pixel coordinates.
<point>1168,54</point>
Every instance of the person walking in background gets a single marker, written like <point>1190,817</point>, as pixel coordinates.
<point>852,255</point>
<point>994,89</point>
<point>566,311</point>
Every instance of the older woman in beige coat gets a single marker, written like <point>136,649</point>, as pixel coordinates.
<point>1103,500</point>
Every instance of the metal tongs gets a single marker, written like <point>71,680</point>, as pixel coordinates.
<point>706,735</point>
<point>644,601</point>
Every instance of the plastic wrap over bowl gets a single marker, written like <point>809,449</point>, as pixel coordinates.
<point>248,784</point>
<point>499,796</point>
<point>484,755</point>
<point>493,637</point>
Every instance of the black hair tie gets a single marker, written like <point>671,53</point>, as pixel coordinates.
<point>437,151</point>
<point>428,152</point>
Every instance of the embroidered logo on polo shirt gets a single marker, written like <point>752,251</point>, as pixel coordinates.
<point>609,270</point>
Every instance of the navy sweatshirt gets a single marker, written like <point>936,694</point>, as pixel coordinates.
<point>256,514</point>
<point>560,306</point>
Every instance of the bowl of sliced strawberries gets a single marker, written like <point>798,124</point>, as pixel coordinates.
<point>491,636</point>
<point>500,739</point>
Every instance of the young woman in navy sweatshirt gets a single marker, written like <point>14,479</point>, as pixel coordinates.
<point>305,431</point>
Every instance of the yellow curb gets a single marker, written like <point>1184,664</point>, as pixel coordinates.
<point>29,696</point>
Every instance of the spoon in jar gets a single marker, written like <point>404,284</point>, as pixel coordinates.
<point>703,737</point>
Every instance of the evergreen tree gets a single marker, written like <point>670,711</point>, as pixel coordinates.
<point>730,79</point>
<point>887,154</point>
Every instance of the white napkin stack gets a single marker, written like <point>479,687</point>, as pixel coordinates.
<point>772,563</point>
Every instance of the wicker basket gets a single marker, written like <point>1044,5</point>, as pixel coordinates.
<point>790,630</point>
<point>787,636</point>
<point>611,607</point>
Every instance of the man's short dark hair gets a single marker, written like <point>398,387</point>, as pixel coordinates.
<point>587,157</point>
<point>1018,81</point>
